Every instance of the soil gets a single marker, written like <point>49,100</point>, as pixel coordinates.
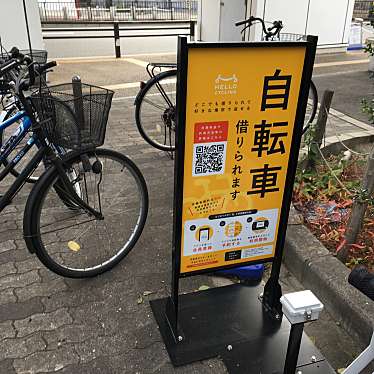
<point>326,205</point>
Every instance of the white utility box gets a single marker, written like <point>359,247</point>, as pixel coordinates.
<point>217,18</point>
<point>301,307</point>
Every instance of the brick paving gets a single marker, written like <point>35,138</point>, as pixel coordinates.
<point>49,324</point>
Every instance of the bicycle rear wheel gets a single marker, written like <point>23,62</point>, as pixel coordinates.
<point>68,240</point>
<point>155,112</point>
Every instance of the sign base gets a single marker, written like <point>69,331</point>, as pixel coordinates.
<point>230,322</point>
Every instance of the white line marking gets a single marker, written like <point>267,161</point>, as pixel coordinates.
<point>133,97</point>
<point>122,85</point>
<point>123,98</point>
<point>134,84</point>
<point>135,61</point>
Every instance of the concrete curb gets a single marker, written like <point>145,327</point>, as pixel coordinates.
<point>318,270</point>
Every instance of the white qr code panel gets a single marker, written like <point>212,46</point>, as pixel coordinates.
<point>209,158</point>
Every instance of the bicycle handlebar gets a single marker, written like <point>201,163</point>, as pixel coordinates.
<point>242,22</point>
<point>277,26</point>
<point>21,83</point>
<point>18,59</point>
<point>44,67</point>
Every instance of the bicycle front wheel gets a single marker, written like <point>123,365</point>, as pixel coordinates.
<point>155,112</point>
<point>72,242</point>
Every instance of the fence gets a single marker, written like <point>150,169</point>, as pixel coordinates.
<point>123,10</point>
<point>363,9</point>
<point>175,28</point>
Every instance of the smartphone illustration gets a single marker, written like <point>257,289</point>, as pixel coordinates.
<point>204,234</point>
<point>260,225</point>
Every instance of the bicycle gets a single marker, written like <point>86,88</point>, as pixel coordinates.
<point>155,103</point>
<point>155,107</point>
<point>273,33</point>
<point>11,140</point>
<point>88,208</point>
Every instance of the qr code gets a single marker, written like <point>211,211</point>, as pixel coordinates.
<point>209,159</point>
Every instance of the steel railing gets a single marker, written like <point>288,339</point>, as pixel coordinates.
<point>363,9</point>
<point>122,10</point>
<point>117,30</point>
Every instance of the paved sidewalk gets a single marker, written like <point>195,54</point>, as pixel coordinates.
<point>50,324</point>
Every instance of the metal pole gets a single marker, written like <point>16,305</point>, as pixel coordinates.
<point>117,42</point>
<point>293,348</point>
<point>78,101</point>
<point>273,290</point>
<point>320,128</point>
<point>27,27</point>
<point>192,30</point>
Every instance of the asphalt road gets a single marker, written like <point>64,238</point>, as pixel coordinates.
<point>348,77</point>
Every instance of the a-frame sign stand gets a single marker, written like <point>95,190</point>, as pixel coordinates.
<point>241,107</point>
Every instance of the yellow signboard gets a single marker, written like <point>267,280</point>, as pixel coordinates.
<point>240,110</point>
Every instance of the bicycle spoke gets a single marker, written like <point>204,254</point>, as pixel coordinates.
<point>80,243</point>
<point>153,104</point>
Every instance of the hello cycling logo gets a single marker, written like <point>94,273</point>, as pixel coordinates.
<point>224,85</point>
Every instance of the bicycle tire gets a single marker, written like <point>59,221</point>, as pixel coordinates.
<point>311,107</point>
<point>33,211</point>
<point>140,119</point>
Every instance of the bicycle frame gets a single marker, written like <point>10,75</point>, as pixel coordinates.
<point>44,150</point>
<point>17,136</point>
<point>26,172</point>
<point>7,149</point>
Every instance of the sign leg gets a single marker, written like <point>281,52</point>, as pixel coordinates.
<point>273,292</point>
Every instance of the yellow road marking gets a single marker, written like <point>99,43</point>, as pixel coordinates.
<point>78,60</point>
<point>337,63</point>
<point>103,59</point>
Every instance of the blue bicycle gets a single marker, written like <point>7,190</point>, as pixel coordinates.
<point>12,138</point>
<point>88,208</point>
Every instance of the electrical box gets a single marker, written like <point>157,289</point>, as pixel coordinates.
<point>301,307</point>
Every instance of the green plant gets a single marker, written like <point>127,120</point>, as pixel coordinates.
<point>369,49</point>
<point>323,182</point>
<point>368,105</point>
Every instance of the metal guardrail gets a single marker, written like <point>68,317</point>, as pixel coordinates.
<point>116,28</point>
<point>122,10</point>
<point>363,9</point>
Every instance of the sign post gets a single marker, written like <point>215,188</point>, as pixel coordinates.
<point>241,110</point>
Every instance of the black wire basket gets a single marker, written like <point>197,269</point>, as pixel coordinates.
<point>73,115</point>
<point>288,37</point>
<point>37,55</point>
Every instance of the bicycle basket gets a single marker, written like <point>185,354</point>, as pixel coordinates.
<point>288,37</point>
<point>37,55</point>
<point>73,115</point>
